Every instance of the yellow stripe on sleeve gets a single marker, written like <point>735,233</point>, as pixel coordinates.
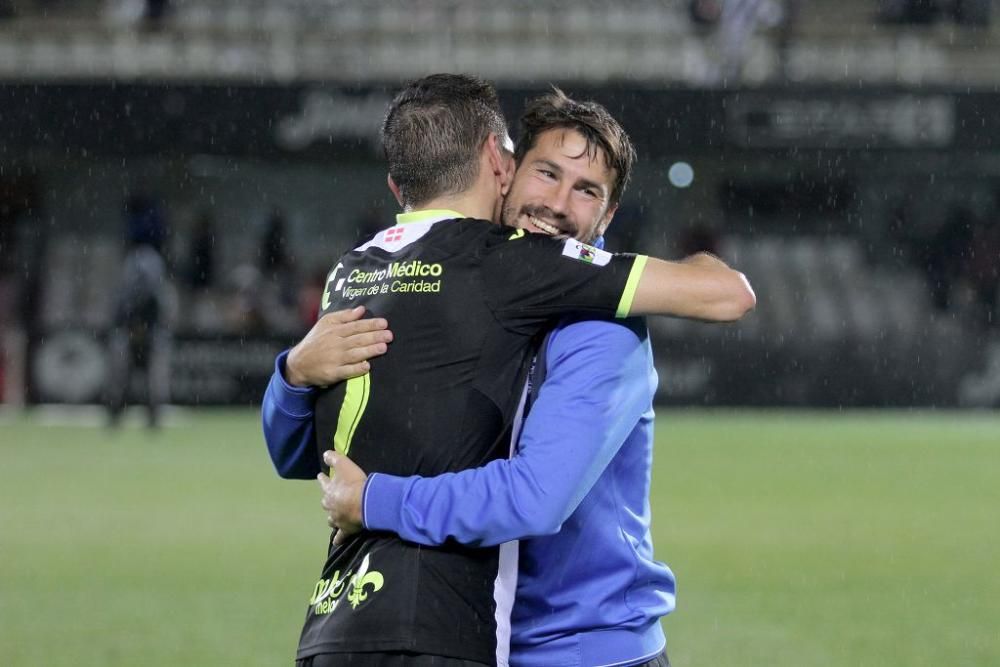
<point>631,285</point>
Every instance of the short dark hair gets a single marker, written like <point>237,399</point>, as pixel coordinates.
<point>555,110</point>
<point>433,131</point>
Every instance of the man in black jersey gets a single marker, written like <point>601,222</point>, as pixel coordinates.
<point>468,299</point>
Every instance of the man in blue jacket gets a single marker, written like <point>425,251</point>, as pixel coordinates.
<point>589,591</point>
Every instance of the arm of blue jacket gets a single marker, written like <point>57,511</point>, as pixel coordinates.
<point>287,415</point>
<point>597,388</point>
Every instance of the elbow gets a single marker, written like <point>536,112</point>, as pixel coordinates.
<point>284,468</point>
<point>747,299</point>
<point>284,471</point>
<point>293,472</point>
<point>533,516</point>
<point>547,527</point>
<point>289,466</point>
<point>544,523</point>
<point>740,301</point>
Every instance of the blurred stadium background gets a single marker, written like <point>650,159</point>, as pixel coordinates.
<point>844,154</point>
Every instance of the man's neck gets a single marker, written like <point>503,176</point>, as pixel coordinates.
<point>468,204</point>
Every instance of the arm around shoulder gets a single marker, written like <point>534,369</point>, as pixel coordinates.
<point>701,287</point>
<point>597,389</point>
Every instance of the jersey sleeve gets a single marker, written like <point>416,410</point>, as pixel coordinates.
<point>597,389</point>
<point>287,419</point>
<point>532,278</point>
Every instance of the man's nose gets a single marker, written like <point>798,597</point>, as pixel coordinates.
<point>558,200</point>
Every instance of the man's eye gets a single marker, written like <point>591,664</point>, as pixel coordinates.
<point>546,173</point>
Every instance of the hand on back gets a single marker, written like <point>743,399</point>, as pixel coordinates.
<point>337,348</point>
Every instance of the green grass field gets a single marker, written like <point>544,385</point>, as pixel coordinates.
<point>798,540</point>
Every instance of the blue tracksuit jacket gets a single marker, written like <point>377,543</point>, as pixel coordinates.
<point>589,591</point>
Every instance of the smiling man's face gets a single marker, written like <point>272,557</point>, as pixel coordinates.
<point>561,188</point>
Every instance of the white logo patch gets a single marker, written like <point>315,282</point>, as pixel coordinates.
<point>585,253</point>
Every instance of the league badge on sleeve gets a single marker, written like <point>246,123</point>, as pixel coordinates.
<point>585,253</point>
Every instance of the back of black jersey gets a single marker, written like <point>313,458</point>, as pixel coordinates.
<point>442,396</point>
<point>442,399</point>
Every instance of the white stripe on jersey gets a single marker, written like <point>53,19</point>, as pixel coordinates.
<point>503,592</point>
<point>505,585</point>
<point>398,237</point>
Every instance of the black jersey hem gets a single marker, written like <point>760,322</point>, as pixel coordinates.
<point>422,647</point>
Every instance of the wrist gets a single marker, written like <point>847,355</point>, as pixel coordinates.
<point>357,507</point>
<point>292,374</point>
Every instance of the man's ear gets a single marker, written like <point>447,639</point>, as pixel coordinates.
<point>501,162</point>
<point>395,190</point>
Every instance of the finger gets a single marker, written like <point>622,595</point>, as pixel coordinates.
<point>359,354</point>
<point>330,458</point>
<point>324,484</point>
<point>348,371</point>
<point>346,315</point>
<point>363,326</point>
<point>339,538</point>
<point>369,338</point>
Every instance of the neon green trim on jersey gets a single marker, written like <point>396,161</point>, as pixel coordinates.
<point>516,235</point>
<point>429,215</point>
<point>631,285</point>
<point>355,402</point>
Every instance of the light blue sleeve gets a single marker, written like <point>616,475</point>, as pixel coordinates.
<point>287,416</point>
<point>598,385</point>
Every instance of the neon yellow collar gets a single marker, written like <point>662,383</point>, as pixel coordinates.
<point>427,215</point>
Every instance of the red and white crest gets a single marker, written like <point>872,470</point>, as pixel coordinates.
<point>394,234</point>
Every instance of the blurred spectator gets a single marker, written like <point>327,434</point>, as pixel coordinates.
<point>786,34</point>
<point>246,309</point>
<point>984,269</point>
<point>311,298</point>
<point>733,23</point>
<point>740,20</point>
<point>145,14</point>
<point>19,271</point>
<point>145,224</point>
<point>140,338</point>
<point>274,245</point>
<point>265,295</point>
<point>972,12</point>
<point>276,266</point>
<point>256,306</point>
<point>705,13</point>
<point>201,270</point>
<point>156,11</point>
<point>927,12</point>
<point>945,255</point>
<point>899,235</point>
<point>920,12</point>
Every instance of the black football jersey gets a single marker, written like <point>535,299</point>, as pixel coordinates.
<point>467,301</point>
